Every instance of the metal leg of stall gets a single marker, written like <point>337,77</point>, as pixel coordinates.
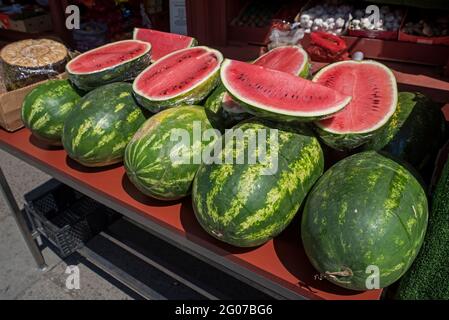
<point>21,222</point>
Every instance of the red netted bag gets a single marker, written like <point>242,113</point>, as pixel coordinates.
<point>326,47</point>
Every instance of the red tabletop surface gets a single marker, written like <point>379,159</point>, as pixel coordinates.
<point>282,259</point>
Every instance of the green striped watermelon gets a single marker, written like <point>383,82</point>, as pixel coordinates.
<point>366,210</point>
<point>46,107</point>
<point>414,133</point>
<point>246,204</point>
<point>148,157</point>
<point>96,133</point>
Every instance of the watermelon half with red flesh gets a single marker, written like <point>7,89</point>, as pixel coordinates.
<point>114,62</point>
<point>278,95</point>
<point>374,93</point>
<point>163,43</point>
<point>183,77</point>
<point>290,59</point>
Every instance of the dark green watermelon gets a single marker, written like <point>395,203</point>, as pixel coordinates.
<point>214,108</point>
<point>46,107</point>
<point>148,157</point>
<point>247,204</point>
<point>414,133</point>
<point>96,133</point>
<point>366,210</point>
<point>429,275</point>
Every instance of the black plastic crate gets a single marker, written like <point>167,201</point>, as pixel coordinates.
<point>67,218</point>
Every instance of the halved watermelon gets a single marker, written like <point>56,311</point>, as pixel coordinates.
<point>114,62</point>
<point>290,59</point>
<point>279,95</point>
<point>374,98</point>
<point>163,43</point>
<point>186,76</point>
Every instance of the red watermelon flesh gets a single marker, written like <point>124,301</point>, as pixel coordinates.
<point>373,90</point>
<point>267,90</point>
<point>290,59</point>
<point>108,56</point>
<point>177,72</point>
<point>163,42</point>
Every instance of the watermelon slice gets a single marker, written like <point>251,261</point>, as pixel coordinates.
<point>374,99</point>
<point>163,42</point>
<point>279,95</point>
<point>114,62</point>
<point>290,59</point>
<point>186,76</point>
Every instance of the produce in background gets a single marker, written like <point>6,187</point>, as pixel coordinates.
<point>46,107</point>
<point>97,131</point>
<point>163,43</point>
<point>290,59</point>
<point>246,204</point>
<point>278,95</point>
<point>414,133</point>
<point>427,277</point>
<point>114,62</point>
<point>149,161</point>
<point>327,17</point>
<point>29,61</point>
<point>183,77</point>
<point>374,98</point>
<point>389,20</point>
<point>366,210</point>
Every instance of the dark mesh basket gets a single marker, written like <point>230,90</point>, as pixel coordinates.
<point>67,218</point>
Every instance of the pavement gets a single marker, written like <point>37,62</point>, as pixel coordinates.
<point>20,278</point>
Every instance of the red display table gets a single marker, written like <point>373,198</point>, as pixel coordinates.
<point>278,267</point>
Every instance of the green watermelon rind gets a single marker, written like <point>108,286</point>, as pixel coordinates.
<point>362,193</point>
<point>147,156</point>
<point>46,107</point>
<point>125,71</point>
<point>414,132</point>
<point>350,140</point>
<point>192,96</point>
<point>97,131</point>
<point>268,113</point>
<point>250,218</point>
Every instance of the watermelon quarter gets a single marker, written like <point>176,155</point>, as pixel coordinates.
<point>366,216</point>
<point>278,95</point>
<point>97,131</point>
<point>149,158</point>
<point>182,77</point>
<point>114,62</point>
<point>46,107</point>
<point>374,98</point>
<point>163,43</point>
<point>246,203</point>
<point>290,59</point>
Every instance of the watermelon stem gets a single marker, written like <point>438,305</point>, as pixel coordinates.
<point>346,272</point>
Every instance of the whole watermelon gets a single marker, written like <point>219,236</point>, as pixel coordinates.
<point>414,133</point>
<point>365,212</point>
<point>97,131</point>
<point>246,203</point>
<point>149,160</point>
<point>46,107</point>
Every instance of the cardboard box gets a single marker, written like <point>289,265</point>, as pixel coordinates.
<point>11,106</point>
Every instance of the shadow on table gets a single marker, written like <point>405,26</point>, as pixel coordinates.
<point>43,145</point>
<point>137,195</point>
<point>299,266</point>
<point>79,167</point>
